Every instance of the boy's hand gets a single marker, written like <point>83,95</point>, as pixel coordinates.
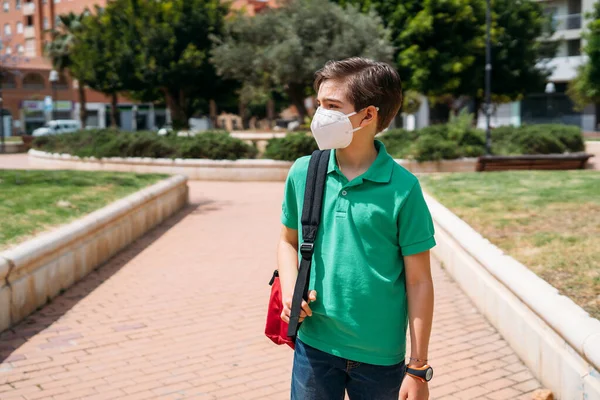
<point>414,389</point>
<point>306,311</point>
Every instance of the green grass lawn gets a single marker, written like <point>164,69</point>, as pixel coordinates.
<point>549,221</point>
<point>34,201</point>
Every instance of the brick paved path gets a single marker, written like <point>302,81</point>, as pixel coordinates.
<point>180,314</point>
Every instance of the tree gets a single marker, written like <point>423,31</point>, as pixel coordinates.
<point>585,88</point>
<point>60,51</point>
<point>105,53</point>
<point>174,53</point>
<point>441,47</point>
<point>280,49</point>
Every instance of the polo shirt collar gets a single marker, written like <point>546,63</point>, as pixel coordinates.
<point>381,169</point>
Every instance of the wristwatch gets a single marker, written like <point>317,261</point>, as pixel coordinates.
<point>424,373</point>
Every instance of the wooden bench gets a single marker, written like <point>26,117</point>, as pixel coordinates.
<point>529,162</point>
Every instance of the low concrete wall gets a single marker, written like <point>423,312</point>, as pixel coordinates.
<point>37,270</point>
<point>460,165</point>
<point>553,336</point>
<point>593,147</point>
<point>196,169</point>
<point>14,147</point>
<point>216,170</point>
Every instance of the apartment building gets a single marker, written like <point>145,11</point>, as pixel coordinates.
<point>552,104</point>
<point>30,99</point>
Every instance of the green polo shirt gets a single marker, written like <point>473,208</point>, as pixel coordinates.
<point>367,226</point>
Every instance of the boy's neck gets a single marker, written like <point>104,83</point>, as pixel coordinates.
<point>359,156</point>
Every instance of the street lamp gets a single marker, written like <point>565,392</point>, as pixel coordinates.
<point>53,81</point>
<point>488,79</point>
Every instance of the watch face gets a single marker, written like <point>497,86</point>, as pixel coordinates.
<point>429,374</point>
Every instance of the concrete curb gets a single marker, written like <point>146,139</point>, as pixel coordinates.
<point>553,336</point>
<point>196,169</point>
<point>37,270</point>
<point>218,170</point>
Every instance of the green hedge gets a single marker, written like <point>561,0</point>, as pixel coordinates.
<point>114,143</point>
<point>291,147</point>
<point>458,139</point>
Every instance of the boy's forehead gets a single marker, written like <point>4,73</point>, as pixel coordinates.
<point>333,89</point>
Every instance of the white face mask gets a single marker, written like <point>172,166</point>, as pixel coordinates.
<point>332,129</point>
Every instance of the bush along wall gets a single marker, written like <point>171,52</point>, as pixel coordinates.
<point>455,140</point>
<point>291,147</point>
<point>114,143</point>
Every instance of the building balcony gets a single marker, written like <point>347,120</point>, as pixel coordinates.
<point>566,22</point>
<point>29,32</point>
<point>564,69</point>
<point>28,9</point>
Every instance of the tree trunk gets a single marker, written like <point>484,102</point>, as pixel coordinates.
<point>477,106</point>
<point>270,112</point>
<point>213,112</point>
<point>243,114</point>
<point>296,95</point>
<point>82,105</point>
<point>597,127</point>
<point>114,111</point>
<point>178,115</point>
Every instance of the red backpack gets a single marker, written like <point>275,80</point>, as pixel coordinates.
<point>276,329</point>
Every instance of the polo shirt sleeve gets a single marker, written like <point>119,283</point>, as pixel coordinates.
<point>415,226</point>
<point>289,209</point>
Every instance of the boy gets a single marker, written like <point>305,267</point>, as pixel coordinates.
<point>370,276</point>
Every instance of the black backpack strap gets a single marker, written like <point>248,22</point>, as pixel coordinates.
<point>311,217</point>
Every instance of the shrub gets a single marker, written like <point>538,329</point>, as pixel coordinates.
<point>291,147</point>
<point>432,148</point>
<point>537,139</point>
<point>398,142</point>
<point>113,143</point>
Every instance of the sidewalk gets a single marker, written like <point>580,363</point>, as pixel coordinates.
<point>180,315</point>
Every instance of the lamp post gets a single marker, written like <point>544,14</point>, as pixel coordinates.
<point>53,81</point>
<point>488,79</point>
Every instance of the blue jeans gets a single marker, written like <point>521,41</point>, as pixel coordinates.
<point>320,376</point>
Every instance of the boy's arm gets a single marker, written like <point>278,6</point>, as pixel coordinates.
<point>419,293</point>
<point>287,258</point>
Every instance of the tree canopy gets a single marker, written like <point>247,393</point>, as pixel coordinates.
<point>280,49</point>
<point>585,88</point>
<point>440,46</point>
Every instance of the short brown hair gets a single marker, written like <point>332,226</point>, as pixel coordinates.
<point>370,83</point>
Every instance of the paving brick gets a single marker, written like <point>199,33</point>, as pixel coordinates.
<point>147,326</point>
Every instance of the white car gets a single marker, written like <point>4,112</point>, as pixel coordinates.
<point>57,127</point>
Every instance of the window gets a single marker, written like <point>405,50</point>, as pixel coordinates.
<point>30,48</point>
<point>20,49</point>
<point>46,23</point>
<point>8,50</point>
<point>574,47</point>
<point>18,4</point>
<point>30,20</point>
<point>7,30</point>
<point>19,27</point>
<point>6,6</point>
<point>57,22</point>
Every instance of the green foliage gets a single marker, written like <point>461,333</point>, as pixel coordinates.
<point>280,49</point>
<point>399,142</point>
<point>459,139</point>
<point>537,139</point>
<point>441,46</point>
<point>291,147</point>
<point>585,88</point>
<point>112,143</point>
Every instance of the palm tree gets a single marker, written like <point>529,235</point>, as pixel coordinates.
<point>60,51</point>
